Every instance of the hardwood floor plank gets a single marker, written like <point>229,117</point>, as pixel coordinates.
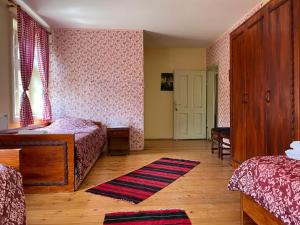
<point>202,193</point>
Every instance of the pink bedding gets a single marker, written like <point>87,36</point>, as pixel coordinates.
<point>89,142</point>
<point>12,199</point>
<point>274,183</point>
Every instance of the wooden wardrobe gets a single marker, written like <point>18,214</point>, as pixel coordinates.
<point>264,81</point>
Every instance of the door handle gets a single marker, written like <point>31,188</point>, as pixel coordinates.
<point>268,96</point>
<point>245,98</point>
<point>175,106</point>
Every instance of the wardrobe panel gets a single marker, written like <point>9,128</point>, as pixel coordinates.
<point>256,80</point>
<point>237,86</point>
<point>280,102</point>
<point>265,67</point>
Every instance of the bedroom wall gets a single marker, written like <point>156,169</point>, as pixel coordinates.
<point>5,59</point>
<point>159,104</point>
<point>219,54</point>
<point>98,74</point>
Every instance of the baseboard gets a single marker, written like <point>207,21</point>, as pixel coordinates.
<point>159,139</point>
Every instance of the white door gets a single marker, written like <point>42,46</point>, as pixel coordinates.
<point>190,104</point>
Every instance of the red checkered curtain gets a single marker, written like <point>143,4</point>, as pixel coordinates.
<point>43,61</point>
<point>26,38</point>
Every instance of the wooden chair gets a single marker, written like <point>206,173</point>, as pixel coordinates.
<point>217,137</point>
<point>214,140</point>
<point>224,144</point>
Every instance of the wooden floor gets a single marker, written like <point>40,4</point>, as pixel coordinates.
<point>202,192</point>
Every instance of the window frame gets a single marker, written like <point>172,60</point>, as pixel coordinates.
<point>16,80</point>
<point>16,115</point>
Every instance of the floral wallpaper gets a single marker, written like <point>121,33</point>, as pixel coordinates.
<point>98,75</point>
<point>219,54</point>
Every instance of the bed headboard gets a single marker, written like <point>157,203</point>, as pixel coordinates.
<point>11,157</point>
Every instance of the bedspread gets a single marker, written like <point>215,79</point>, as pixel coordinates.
<point>87,149</point>
<point>12,200</point>
<point>274,183</point>
<point>89,141</point>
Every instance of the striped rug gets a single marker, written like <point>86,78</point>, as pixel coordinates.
<point>159,217</point>
<point>142,183</point>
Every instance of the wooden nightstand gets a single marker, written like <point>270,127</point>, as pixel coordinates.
<point>118,140</point>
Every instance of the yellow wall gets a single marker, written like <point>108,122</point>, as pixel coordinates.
<point>159,104</point>
<point>5,59</point>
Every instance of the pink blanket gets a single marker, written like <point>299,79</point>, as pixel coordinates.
<point>274,183</point>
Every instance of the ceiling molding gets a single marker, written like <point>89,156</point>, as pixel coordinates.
<point>167,23</point>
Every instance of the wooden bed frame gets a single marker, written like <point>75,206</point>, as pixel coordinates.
<point>54,169</point>
<point>252,213</point>
<point>11,157</point>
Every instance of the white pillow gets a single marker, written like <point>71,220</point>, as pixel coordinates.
<point>292,154</point>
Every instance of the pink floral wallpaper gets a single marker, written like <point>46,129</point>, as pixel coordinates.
<point>219,54</point>
<point>98,75</point>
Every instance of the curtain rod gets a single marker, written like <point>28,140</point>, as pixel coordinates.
<point>27,9</point>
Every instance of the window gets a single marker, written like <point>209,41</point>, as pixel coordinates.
<point>35,89</point>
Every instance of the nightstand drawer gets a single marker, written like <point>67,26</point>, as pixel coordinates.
<point>118,132</point>
<point>118,141</point>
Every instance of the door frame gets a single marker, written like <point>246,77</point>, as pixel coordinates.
<point>212,81</point>
<point>175,136</point>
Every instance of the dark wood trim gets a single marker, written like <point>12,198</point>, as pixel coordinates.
<point>292,132</point>
<point>277,5</point>
<point>247,20</point>
<point>159,139</point>
<point>236,35</point>
<point>296,13</point>
<point>253,23</point>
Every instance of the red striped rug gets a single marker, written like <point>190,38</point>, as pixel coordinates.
<point>142,183</point>
<point>159,217</point>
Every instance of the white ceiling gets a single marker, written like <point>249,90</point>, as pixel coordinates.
<point>168,23</point>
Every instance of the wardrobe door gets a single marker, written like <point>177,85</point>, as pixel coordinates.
<point>256,80</point>
<point>237,90</point>
<point>280,101</point>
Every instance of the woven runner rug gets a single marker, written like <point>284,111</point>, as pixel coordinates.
<point>142,183</point>
<point>159,217</point>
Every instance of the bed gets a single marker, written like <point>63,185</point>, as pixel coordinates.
<point>270,190</point>
<point>57,157</point>
<point>12,199</point>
